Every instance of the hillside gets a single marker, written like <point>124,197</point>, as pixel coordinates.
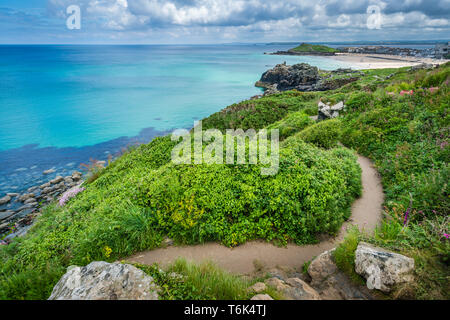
<point>313,48</point>
<point>396,117</point>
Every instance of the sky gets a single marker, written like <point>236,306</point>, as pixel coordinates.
<point>222,21</point>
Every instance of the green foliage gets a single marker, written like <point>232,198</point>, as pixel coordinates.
<point>257,114</point>
<point>306,47</point>
<point>291,124</point>
<point>325,134</point>
<point>344,255</point>
<point>206,281</point>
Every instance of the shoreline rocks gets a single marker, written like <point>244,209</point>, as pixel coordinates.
<point>38,196</point>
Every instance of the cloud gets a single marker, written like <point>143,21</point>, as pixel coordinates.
<point>256,20</point>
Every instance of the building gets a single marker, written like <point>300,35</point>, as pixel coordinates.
<point>442,50</point>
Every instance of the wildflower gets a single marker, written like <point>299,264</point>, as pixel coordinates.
<point>433,89</point>
<point>69,195</point>
<point>403,92</point>
<point>446,235</point>
<point>3,243</point>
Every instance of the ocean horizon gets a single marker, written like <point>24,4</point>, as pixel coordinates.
<point>62,105</point>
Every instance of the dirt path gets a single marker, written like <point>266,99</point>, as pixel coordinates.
<point>366,213</point>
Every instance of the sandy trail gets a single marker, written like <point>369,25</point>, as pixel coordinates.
<point>366,213</point>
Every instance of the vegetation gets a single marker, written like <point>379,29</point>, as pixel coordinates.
<point>142,197</point>
<point>308,48</point>
<point>187,281</point>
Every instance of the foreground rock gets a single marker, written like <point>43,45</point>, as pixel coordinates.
<point>333,284</point>
<point>5,200</point>
<point>105,281</point>
<point>293,289</point>
<point>381,268</point>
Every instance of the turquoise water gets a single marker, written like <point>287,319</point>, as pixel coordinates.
<point>63,104</point>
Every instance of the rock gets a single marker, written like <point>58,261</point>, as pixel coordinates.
<point>4,227</point>
<point>322,267</point>
<point>49,171</point>
<point>299,290</point>
<point>333,284</point>
<point>290,77</point>
<point>277,283</point>
<point>12,195</point>
<point>329,112</point>
<point>5,200</point>
<point>76,176</point>
<point>258,287</point>
<point>105,281</point>
<point>68,180</point>
<point>262,297</point>
<point>26,196</point>
<point>58,179</point>
<point>381,268</point>
<point>31,200</point>
<point>45,185</point>
<point>5,215</point>
<point>32,189</point>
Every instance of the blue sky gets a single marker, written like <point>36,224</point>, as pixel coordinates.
<point>221,21</point>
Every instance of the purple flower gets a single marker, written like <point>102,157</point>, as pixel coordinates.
<point>3,243</point>
<point>446,235</point>
<point>69,195</point>
<point>405,221</point>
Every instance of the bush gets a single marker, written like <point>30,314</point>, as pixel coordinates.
<point>292,124</point>
<point>325,134</point>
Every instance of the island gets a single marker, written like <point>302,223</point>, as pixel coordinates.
<point>306,49</point>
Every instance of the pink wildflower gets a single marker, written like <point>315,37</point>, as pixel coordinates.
<point>69,195</point>
<point>446,235</point>
<point>403,92</point>
<point>433,89</point>
<point>3,243</point>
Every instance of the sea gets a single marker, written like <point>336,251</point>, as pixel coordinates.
<point>62,105</point>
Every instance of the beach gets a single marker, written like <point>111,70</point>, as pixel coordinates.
<point>382,61</point>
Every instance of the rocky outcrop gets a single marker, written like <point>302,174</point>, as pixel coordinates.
<point>290,77</point>
<point>105,281</point>
<point>327,111</point>
<point>5,200</point>
<point>302,77</point>
<point>293,289</point>
<point>333,284</point>
<point>381,268</point>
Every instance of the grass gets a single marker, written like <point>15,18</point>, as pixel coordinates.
<point>187,281</point>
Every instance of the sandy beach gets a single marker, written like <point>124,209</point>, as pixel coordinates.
<point>381,61</point>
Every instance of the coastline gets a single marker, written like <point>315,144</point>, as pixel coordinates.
<point>383,61</point>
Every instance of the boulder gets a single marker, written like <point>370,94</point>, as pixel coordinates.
<point>381,268</point>
<point>277,284</point>
<point>5,200</point>
<point>45,185</point>
<point>262,297</point>
<point>329,112</point>
<point>333,284</point>
<point>258,287</point>
<point>5,215</point>
<point>299,76</point>
<point>57,180</point>
<point>49,171</point>
<point>26,196</point>
<point>105,281</point>
<point>300,290</point>
<point>12,195</point>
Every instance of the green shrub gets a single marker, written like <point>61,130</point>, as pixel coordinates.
<point>292,124</point>
<point>325,134</point>
<point>344,255</point>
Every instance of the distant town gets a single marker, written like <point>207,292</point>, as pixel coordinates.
<point>440,51</point>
